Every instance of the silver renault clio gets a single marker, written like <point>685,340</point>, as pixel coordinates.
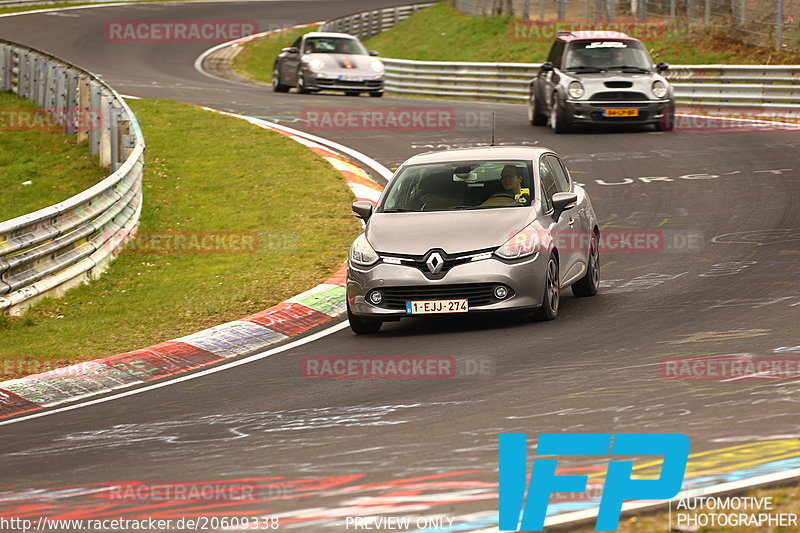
<point>472,231</point>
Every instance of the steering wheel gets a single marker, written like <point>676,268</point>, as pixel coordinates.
<point>502,195</point>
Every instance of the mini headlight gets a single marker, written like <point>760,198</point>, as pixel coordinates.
<point>575,89</point>
<point>376,66</point>
<point>362,253</point>
<point>316,64</point>
<point>659,89</point>
<point>524,243</point>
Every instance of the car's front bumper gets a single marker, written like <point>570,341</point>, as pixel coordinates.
<point>525,279</point>
<point>326,81</point>
<point>591,112</point>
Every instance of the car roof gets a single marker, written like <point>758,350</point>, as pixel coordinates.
<point>486,153</point>
<point>329,34</point>
<point>569,36</point>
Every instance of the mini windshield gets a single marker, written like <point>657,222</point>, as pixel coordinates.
<point>460,185</point>
<point>607,55</point>
<point>334,45</point>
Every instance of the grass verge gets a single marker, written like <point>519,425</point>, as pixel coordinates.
<point>208,173</point>
<point>441,33</point>
<point>39,165</point>
<point>256,58</point>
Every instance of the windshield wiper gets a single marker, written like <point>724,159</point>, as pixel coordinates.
<point>586,69</point>
<point>629,67</point>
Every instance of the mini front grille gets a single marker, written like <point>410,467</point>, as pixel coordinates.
<point>618,95</point>
<point>618,84</point>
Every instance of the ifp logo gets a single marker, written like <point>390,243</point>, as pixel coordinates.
<point>619,486</point>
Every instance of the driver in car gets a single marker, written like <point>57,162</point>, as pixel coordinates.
<point>511,182</point>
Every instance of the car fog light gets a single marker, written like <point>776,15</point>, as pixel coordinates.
<point>376,297</point>
<point>500,292</point>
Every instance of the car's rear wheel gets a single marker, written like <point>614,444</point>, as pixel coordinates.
<point>552,293</point>
<point>362,326</point>
<point>535,115</point>
<point>559,120</point>
<point>277,86</point>
<point>589,283</point>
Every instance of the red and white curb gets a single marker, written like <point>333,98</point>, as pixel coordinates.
<point>248,335</point>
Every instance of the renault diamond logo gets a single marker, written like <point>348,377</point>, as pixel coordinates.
<point>435,263</point>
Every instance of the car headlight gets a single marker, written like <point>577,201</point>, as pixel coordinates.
<point>376,66</point>
<point>659,89</point>
<point>362,253</point>
<point>575,89</point>
<point>523,244</point>
<point>316,64</point>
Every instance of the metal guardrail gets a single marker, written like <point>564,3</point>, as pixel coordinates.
<point>50,250</point>
<point>765,88</point>
<point>369,23</point>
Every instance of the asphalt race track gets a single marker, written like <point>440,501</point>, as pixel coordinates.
<point>724,280</point>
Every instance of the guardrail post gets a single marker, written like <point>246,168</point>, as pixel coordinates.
<point>5,68</point>
<point>23,75</point>
<point>778,24</point>
<point>52,86</point>
<point>42,72</point>
<point>115,114</point>
<point>94,106</point>
<point>58,112</point>
<point>72,111</point>
<point>84,113</point>
<point>105,128</point>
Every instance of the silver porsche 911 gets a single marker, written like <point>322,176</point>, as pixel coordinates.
<point>320,61</point>
<point>473,231</point>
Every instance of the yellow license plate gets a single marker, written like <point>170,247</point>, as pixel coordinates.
<point>622,112</point>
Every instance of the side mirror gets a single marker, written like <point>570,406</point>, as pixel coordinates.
<point>373,53</point>
<point>362,209</point>
<point>563,201</point>
<point>291,50</point>
<point>661,67</point>
<point>547,66</point>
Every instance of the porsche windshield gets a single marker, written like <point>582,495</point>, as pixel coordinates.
<point>334,45</point>
<point>607,55</point>
<point>460,185</point>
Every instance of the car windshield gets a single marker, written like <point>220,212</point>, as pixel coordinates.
<point>334,45</point>
<point>606,55</point>
<point>459,186</point>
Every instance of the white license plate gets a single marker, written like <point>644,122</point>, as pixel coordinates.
<point>347,77</point>
<point>429,307</point>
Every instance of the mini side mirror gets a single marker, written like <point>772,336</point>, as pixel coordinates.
<point>373,53</point>
<point>547,66</point>
<point>362,209</point>
<point>291,50</point>
<point>661,67</point>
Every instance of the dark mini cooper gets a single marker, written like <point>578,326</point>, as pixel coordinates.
<point>328,61</point>
<point>600,77</point>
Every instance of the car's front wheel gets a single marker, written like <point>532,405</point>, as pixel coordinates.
<point>277,86</point>
<point>552,293</point>
<point>559,120</point>
<point>667,122</point>
<point>301,83</point>
<point>590,282</point>
<point>362,326</point>
<point>535,115</point>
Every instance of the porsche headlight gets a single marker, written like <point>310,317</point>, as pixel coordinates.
<point>316,64</point>
<point>376,66</point>
<point>362,253</point>
<point>575,89</point>
<point>659,89</point>
<point>523,244</point>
